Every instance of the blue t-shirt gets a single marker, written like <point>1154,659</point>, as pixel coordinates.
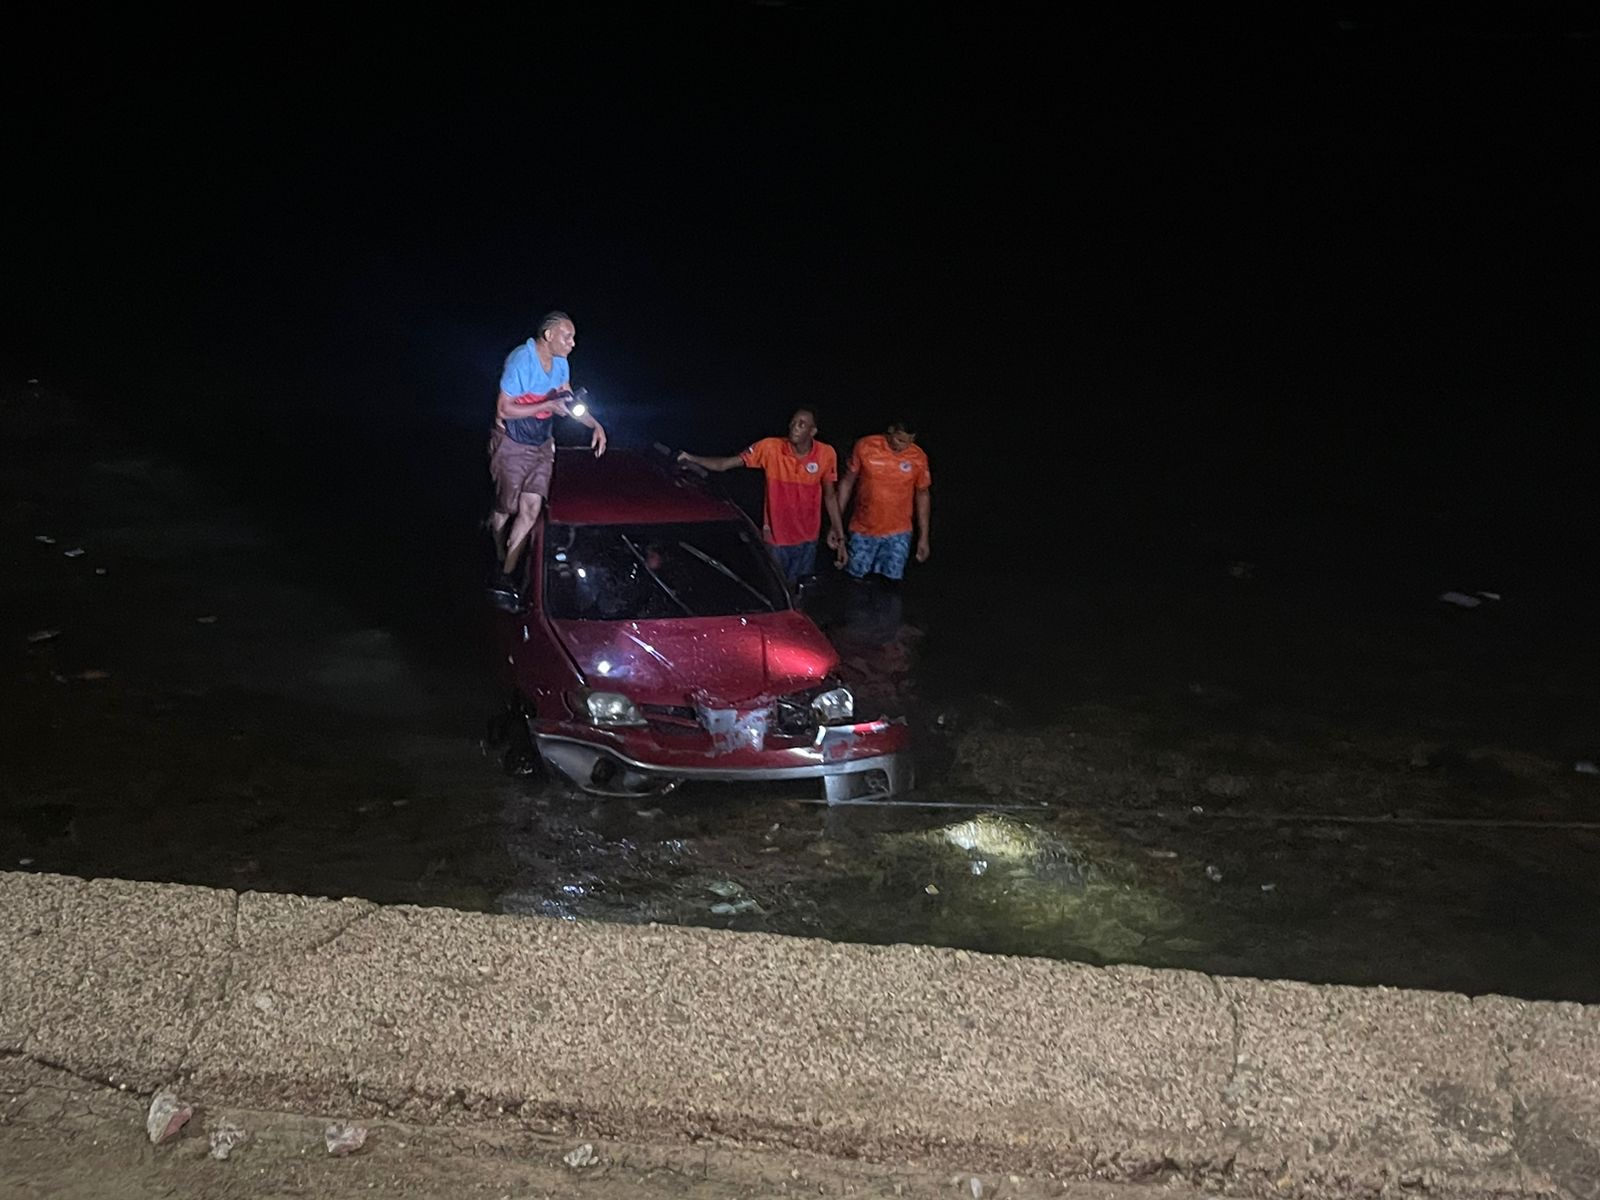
<point>525,375</point>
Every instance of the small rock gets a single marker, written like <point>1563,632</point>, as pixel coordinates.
<point>75,552</point>
<point>344,1139</point>
<point>45,538</point>
<point>580,1157</point>
<point>167,1116</point>
<point>206,620</point>
<point>1213,873</point>
<point>262,1002</point>
<point>932,889</point>
<point>43,635</point>
<point>1269,887</point>
<point>975,1186</point>
<point>224,1138</point>
<point>724,887</point>
<point>1586,767</point>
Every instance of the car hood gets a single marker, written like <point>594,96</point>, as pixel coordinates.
<point>721,661</point>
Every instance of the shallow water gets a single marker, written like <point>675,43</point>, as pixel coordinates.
<point>1234,772</point>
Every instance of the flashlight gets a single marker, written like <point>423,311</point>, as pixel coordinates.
<point>580,407</point>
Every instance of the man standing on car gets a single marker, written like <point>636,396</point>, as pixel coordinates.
<point>888,475</point>
<point>535,385</point>
<point>802,476</point>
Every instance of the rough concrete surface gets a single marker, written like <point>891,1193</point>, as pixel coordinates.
<point>930,1059</point>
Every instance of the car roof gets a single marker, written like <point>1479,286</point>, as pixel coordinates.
<point>628,487</point>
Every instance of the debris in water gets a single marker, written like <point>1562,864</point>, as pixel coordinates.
<point>43,635</point>
<point>1586,767</point>
<point>1213,873</point>
<point>1462,600</point>
<point>206,620</point>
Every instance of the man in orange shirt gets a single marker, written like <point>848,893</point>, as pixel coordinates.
<point>888,475</point>
<point>802,478</point>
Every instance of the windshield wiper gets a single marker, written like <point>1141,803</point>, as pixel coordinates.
<point>725,570</point>
<point>659,582</point>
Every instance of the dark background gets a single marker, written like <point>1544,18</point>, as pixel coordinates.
<point>1314,289</point>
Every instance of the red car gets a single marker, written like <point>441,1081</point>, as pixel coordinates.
<point>661,644</point>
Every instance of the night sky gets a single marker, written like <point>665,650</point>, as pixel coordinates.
<point>1231,284</point>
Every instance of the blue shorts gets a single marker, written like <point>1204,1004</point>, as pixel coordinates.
<point>885,555</point>
<point>797,561</point>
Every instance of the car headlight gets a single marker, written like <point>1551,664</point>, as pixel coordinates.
<point>835,704</point>
<point>612,708</point>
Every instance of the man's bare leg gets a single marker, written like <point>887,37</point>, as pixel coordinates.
<point>527,513</point>
<point>497,534</point>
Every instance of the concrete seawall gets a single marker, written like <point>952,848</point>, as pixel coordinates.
<point>895,1054</point>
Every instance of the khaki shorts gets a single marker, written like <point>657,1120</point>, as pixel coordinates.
<point>518,470</point>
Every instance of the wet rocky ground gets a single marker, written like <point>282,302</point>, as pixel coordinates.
<point>1219,760</point>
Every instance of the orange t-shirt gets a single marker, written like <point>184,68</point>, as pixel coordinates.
<point>793,510</point>
<point>886,483</point>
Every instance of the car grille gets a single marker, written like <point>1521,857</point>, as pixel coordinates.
<point>672,720</point>
<point>791,717</point>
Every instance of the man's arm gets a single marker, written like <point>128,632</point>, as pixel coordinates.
<point>726,463</point>
<point>836,542</point>
<point>847,486</point>
<point>924,507</point>
<point>597,436</point>
<point>514,408</point>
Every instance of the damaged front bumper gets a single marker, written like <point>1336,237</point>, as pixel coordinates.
<point>853,761</point>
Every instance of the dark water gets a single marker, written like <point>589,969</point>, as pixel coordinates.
<point>1153,728</point>
<point>1234,345</point>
